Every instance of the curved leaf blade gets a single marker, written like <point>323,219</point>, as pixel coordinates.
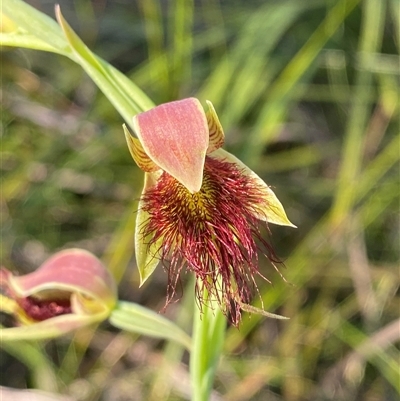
<point>138,319</point>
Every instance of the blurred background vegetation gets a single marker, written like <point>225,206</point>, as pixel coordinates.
<point>307,92</point>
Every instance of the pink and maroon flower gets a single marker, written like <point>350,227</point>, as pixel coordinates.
<point>201,208</point>
<point>70,290</point>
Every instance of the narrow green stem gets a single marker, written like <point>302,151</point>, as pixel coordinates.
<point>209,327</point>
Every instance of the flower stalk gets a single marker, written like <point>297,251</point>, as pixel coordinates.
<point>209,326</point>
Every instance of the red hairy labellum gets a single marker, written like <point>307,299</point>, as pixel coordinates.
<point>213,233</point>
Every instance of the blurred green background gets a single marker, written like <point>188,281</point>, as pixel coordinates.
<point>308,94</point>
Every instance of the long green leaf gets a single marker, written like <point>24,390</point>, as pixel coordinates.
<point>138,319</point>
<point>125,96</point>
<point>22,39</point>
<point>35,29</point>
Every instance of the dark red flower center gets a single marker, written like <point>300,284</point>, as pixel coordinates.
<point>44,309</point>
<point>213,232</point>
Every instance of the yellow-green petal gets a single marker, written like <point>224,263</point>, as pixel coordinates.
<point>272,211</point>
<point>50,328</point>
<point>138,154</point>
<point>216,132</point>
<point>147,252</point>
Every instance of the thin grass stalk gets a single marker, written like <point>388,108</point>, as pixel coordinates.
<point>350,170</point>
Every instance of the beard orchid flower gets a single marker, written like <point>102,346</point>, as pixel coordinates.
<point>201,207</point>
<point>70,290</point>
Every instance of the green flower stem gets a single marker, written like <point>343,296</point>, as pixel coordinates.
<point>209,327</point>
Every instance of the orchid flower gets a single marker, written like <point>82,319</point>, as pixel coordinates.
<point>201,207</point>
<point>70,290</point>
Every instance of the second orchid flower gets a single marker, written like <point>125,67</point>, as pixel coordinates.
<point>71,289</point>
